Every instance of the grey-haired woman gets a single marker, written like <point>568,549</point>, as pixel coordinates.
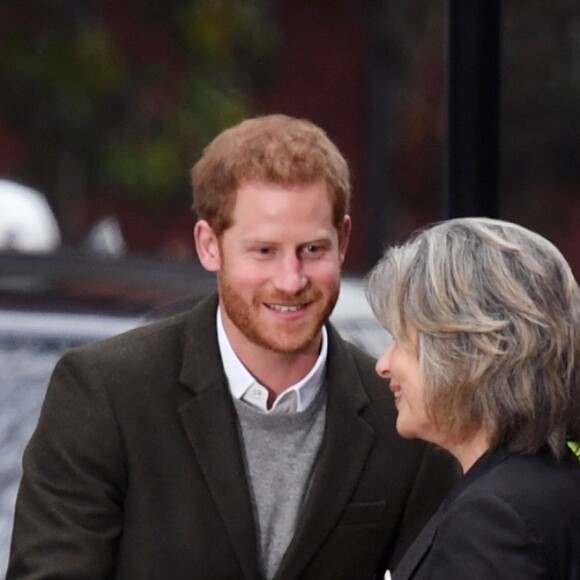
<point>485,317</point>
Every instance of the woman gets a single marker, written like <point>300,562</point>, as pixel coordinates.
<point>485,317</point>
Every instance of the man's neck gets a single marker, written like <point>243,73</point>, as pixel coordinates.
<point>274,370</point>
<point>277,371</point>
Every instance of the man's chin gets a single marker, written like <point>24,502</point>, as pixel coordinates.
<point>288,342</point>
<point>291,349</point>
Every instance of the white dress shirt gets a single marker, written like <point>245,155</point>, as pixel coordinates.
<point>243,386</point>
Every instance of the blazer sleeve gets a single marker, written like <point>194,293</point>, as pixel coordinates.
<point>484,537</point>
<point>68,515</point>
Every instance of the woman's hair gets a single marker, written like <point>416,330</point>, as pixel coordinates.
<point>497,313</point>
<point>271,149</point>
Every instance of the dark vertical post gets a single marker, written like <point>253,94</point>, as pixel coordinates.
<point>471,173</point>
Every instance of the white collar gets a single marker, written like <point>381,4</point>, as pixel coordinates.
<point>240,380</point>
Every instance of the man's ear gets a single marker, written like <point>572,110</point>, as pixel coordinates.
<point>207,246</point>
<point>344,237</point>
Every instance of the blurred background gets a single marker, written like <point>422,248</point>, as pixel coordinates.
<point>105,106</point>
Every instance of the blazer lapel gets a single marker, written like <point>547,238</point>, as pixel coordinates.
<point>210,421</point>
<point>347,441</point>
<point>419,549</point>
<point>421,546</point>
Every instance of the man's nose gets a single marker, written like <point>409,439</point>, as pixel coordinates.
<point>290,276</point>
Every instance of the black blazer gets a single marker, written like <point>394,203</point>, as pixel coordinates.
<point>135,470</point>
<point>510,517</point>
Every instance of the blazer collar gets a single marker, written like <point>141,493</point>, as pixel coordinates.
<point>421,546</point>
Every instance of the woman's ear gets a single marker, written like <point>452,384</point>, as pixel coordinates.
<point>207,246</point>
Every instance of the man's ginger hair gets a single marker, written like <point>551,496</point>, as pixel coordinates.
<point>273,149</point>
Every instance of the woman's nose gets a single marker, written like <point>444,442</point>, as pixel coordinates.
<point>382,367</point>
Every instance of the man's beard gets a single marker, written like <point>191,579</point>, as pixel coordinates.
<point>290,337</point>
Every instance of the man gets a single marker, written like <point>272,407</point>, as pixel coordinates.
<point>244,439</point>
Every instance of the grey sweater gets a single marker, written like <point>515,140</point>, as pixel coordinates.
<point>280,452</point>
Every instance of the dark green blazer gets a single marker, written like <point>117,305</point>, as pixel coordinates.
<point>135,470</point>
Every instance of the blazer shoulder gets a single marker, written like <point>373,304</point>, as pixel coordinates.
<point>166,335</point>
<point>156,350</point>
<point>537,484</point>
<point>146,338</point>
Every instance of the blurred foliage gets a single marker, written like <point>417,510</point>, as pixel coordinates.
<point>120,96</point>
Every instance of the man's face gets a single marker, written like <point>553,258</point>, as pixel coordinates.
<point>279,266</point>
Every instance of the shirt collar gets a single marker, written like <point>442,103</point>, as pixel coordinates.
<point>240,380</point>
